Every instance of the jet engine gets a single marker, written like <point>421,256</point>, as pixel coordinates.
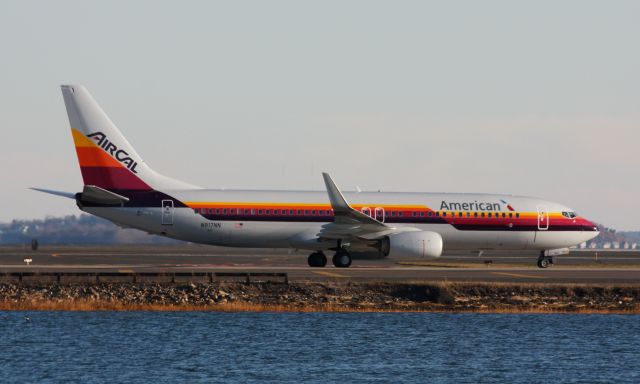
<point>413,244</point>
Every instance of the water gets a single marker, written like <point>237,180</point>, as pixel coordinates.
<point>163,347</point>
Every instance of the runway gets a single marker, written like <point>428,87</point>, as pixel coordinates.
<point>612,267</point>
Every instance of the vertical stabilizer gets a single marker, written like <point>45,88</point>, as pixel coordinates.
<point>107,160</point>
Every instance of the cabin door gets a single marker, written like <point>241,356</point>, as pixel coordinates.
<point>543,218</point>
<point>167,212</point>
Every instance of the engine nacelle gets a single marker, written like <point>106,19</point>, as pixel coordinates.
<point>414,244</point>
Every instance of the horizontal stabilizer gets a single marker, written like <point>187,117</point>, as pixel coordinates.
<point>69,195</point>
<point>93,194</point>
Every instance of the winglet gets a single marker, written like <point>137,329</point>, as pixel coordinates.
<point>338,202</point>
<point>348,222</point>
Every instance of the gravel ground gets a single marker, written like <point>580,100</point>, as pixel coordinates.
<point>326,297</point>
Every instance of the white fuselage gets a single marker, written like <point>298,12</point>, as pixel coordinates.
<point>463,219</point>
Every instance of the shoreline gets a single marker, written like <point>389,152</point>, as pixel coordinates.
<point>344,297</point>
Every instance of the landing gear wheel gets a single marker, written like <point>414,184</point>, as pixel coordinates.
<point>341,259</point>
<point>317,260</point>
<point>545,262</point>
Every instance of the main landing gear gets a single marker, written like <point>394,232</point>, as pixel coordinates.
<point>342,259</point>
<point>317,259</point>
<point>544,261</point>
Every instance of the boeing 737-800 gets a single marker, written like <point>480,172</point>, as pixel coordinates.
<point>121,187</point>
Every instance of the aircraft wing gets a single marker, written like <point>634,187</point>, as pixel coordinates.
<point>350,223</point>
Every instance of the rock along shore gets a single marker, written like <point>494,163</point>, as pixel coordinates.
<point>341,297</point>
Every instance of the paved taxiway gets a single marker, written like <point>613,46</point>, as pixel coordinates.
<point>582,267</point>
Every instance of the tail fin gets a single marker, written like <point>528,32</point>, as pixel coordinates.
<point>106,158</point>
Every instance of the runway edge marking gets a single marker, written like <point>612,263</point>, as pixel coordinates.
<point>519,275</point>
<point>330,274</point>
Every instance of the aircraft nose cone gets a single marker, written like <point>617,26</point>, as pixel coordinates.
<point>590,229</point>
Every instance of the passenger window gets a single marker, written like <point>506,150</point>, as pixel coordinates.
<point>291,212</point>
<point>306,211</point>
<point>517,215</point>
<point>468,214</point>
<point>489,214</point>
<point>299,212</point>
<point>475,214</point>
<point>504,215</point>
<point>429,213</point>
<point>444,214</point>
<point>422,214</point>
<point>313,212</point>
<point>224,211</point>
<point>437,213</point>
<point>510,215</point>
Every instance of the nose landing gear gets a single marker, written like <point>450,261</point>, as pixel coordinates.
<point>317,259</point>
<point>544,261</point>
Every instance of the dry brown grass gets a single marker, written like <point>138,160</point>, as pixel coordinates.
<point>85,305</point>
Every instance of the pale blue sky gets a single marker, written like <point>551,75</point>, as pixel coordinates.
<point>539,98</point>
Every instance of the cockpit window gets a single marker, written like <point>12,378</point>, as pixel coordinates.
<point>569,215</point>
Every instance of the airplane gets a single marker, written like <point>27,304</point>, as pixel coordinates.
<point>119,186</point>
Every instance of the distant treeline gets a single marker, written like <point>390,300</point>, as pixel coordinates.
<point>83,229</point>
